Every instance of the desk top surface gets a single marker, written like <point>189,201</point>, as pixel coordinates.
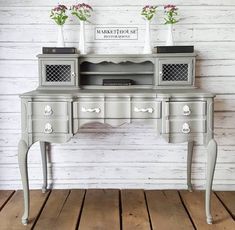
<point>75,93</point>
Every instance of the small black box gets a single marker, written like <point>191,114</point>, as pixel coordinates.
<point>117,82</point>
<point>174,49</point>
<point>59,50</point>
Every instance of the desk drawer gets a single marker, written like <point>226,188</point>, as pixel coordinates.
<point>116,108</point>
<point>49,126</point>
<point>145,109</point>
<point>48,109</point>
<point>88,109</point>
<point>186,126</point>
<point>186,108</point>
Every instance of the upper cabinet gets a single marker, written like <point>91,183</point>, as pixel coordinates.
<point>141,71</point>
<point>175,71</point>
<point>58,71</point>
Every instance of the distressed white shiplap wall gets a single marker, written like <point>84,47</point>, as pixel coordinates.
<point>129,156</point>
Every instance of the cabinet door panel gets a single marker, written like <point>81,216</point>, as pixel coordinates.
<point>58,72</point>
<point>176,71</point>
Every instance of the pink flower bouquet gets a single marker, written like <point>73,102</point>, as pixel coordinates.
<point>148,12</point>
<point>171,13</point>
<point>58,14</point>
<point>82,11</point>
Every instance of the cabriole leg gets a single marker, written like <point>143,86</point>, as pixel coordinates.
<point>23,165</point>
<point>189,165</point>
<point>211,161</point>
<point>43,147</point>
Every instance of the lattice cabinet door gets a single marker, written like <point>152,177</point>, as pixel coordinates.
<point>176,71</point>
<point>59,72</point>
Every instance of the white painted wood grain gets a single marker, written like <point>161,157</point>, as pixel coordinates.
<point>121,15</point>
<point>23,3</point>
<point>205,50</point>
<point>130,156</point>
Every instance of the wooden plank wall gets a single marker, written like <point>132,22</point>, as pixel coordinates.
<point>130,156</point>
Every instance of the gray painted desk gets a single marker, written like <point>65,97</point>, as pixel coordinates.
<point>71,94</point>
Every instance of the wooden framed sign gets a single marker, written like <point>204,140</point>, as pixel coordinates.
<point>116,33</point>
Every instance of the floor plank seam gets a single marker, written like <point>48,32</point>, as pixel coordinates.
<point>146,203</point>
<point>189,216</point>
<point>81,209</point>
<point>6,201</point>
<point>120,209</point>
<point>65,200</point>
<point>40,211</point>
<point>224,205</point>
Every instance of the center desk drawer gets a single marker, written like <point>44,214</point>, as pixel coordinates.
<point>48,109</point>
<point>186,108</point>
<point>48,126</point>
<point>116,108</point>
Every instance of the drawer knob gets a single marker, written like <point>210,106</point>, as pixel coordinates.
<point>91,110</point>
<point>147,110</point>
<point>73,74</point>
<point>48,110</point>
<point>186,110</point>
<point>185,128</point>
<point>48,128</point>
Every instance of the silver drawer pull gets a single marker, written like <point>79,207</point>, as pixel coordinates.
<point>48,110</point>
<point>72,74</point>
<point>91,110</point>
<point>185,128</point>
<point>147,110</point>
<point>186,110</point>
<point>48,128</point>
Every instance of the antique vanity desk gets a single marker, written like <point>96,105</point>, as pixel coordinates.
<point>71,93</point>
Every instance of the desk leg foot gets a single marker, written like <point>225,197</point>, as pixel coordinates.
<point>23,165</point>
<point>209,220</point>
<point>43,147</point>
<point>189,165</point>
<point>25,221</point>
<point>211,161</point>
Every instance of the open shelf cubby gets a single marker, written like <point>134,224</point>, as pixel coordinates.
<point>94,73</point>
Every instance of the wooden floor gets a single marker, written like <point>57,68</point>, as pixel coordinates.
<point>114,210</point>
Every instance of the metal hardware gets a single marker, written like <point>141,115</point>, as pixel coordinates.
<point>73,74</point>
<point>186,110</point>
<point>48,128</point>
<point>160,73</point>
<point>147,110</point>
<point>91,110</point>
<point>185,128</point>
<point>48,110</point>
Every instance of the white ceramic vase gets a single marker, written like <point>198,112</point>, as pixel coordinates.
<point>60,38</point>
<point>170,39</point>
<point>147,41</point>
<point>82,47</point>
